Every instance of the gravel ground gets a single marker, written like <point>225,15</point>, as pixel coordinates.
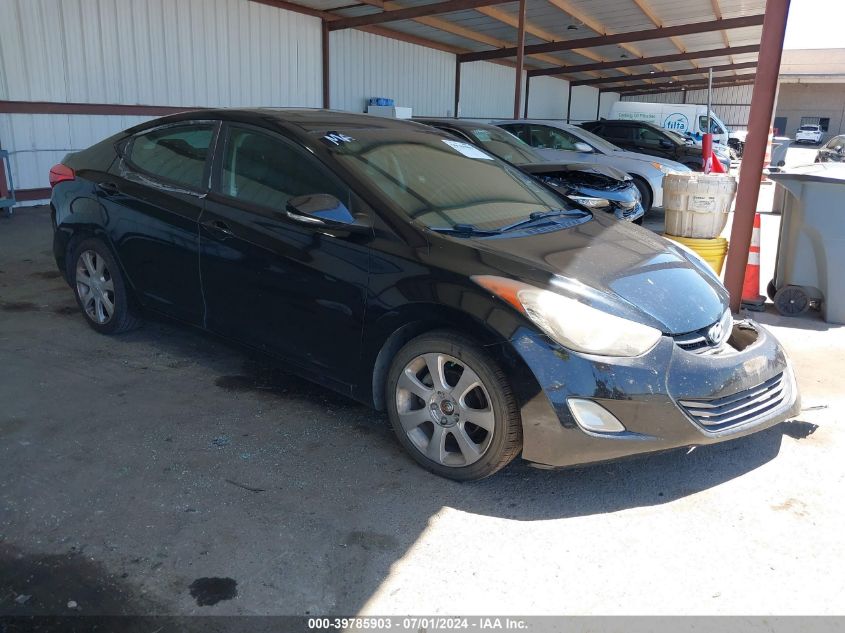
<point>165,472</point>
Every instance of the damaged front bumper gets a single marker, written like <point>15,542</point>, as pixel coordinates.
<point>668,398</point>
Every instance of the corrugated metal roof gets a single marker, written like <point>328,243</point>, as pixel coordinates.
<point>581,19</point>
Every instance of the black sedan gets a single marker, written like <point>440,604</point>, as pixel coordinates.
<point>594,186</point>
<point>648,138</point>
<point>419,274</point>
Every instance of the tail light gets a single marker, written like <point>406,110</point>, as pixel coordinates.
<point>60,173</point>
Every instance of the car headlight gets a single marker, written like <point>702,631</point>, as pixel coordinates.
<point>665,169</point>
<point>590,202</point>
<point>571,323</point>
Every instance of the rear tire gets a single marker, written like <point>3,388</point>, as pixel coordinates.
<point>452,407</point>
<point>99,287</point>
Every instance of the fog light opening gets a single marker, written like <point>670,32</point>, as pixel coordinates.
<point>594,418</point>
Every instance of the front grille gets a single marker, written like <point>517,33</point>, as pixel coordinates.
<point>717,414</point>
<point>622,212</point>
<point>695,342</point>
<point>702,342</point>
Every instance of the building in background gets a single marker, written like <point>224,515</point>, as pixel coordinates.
<point>812,91</point>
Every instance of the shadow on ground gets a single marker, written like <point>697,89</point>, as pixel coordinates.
<point>165,472</point>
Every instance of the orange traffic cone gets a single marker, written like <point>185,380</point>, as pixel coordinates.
<point>716,167</point>
<point>751,297</point>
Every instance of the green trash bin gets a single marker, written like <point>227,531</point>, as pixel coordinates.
<point>810,264</point>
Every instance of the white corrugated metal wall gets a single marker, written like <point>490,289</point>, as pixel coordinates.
<point>487,90</point>
<point>363,65</point>
<point>585,101</point>
<point>547,98</point>
<point>143,52</point>
<point>219,53</point>
<point>731,104</point>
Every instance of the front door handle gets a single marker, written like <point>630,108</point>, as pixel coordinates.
<point>219,228</point>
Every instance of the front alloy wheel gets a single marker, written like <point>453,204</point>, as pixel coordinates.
<point>452,408</point>
<point>444,409</point>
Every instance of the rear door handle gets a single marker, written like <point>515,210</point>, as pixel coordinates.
<point>219,228</point>
<point>108,188</point>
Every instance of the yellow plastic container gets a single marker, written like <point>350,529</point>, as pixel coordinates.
<point>712,250</point>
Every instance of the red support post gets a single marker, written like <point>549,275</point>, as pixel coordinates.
<point>326,65</point>
<point>759,121</point>
<point>520,59</point>
<point>4,187</point>
<point>707,153</point>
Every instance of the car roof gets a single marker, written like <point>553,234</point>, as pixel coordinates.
<point>307,120</point>
<point>458,124</point>
<point>630,122</point>
<point>563,125</point>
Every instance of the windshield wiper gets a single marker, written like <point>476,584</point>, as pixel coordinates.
<point>542,215</point>
<point>464,229</point>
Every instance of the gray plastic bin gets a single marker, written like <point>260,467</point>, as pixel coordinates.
<point>811,249</point>
<point>779,146</point>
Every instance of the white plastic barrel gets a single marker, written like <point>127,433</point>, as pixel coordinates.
<point>697,205</point>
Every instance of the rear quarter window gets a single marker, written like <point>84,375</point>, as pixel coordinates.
<point>175,154</point>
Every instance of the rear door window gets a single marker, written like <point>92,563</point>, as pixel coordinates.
<point>618,133</point>
<point>519,131</point>
<point>647,135</point>
<point>175,154</point>
<point>554,138</point>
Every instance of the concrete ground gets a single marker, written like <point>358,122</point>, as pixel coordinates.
<point>164,472</point>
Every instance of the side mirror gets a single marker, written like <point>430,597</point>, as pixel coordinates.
<point>322,210</point>
<point>665,144</point>
<point>584,147</point>
<point>839,149</point>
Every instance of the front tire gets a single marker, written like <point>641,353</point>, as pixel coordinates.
<point>645,193</point>
<point>99,288</point>
<point>452,407</point>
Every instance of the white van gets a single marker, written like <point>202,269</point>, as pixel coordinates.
<point>684,118</point>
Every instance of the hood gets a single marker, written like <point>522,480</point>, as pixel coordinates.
<point>614,266</point>
<point>606,171</point>
<point>671,164</point>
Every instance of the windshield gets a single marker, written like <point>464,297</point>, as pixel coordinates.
<point>809,128</point>
<point>505,145</point>
<point>678,137</point>
<point>598,142</point>
<point>442,182</point>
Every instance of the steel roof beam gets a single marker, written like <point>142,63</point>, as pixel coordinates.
<point>411,12</point>
<point>667,73</point>
<point>620,38</point>
<point>678,87</point>
<point>646,61</point>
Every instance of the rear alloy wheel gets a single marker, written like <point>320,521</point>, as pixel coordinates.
<point>100,289</point>
<point>95,287</point>
<point>452,407</point>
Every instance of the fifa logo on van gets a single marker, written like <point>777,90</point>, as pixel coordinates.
<point>677,122</point>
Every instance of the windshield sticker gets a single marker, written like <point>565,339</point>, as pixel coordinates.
<point>470,151</point>
<point>337,139</point>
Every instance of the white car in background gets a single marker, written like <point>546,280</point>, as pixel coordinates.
<point>563,142</point>
<point>809,134</point>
